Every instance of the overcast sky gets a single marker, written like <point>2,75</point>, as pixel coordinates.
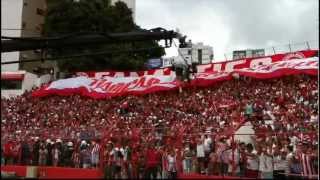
<point>228,25</point>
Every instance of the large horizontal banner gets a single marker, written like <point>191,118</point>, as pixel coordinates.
<point>106,87</point>
<point>220,66</point>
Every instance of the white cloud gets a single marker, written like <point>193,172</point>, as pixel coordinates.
<point>229,25</point>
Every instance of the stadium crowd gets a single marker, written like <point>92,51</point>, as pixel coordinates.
<point>167,133</point>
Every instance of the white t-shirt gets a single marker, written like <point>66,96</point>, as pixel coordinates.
<point>280,164</point>
<point>200,150</point>
<point>171,163</point>
<point>252,163</point>
<point>207,144</point>
<point>265,163</point>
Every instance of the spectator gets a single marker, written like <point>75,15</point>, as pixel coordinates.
<point>43,152</point>
<point>56,155</point>
<point>151,162</point>
<point>295,167</point>
<point>67,155</point>
<point>8,152</point>
<point>222,160</point>
<point>305,157</point>
<point>213,167</point>
<point>200,156</point>
<point>170,119</point>
<point>281,164</point>
<point>117,154</point>
<point>265,164</point>
<point>252,168</point>
<point>85,157</point>
<point>25,153</point>
<point>95,154</point>
<point>172,165</point>
<point>243,158</point>
<point>188,154</point>
<point>49,152</point>
<point>35,154</point>
<point>233,160</point>
<point>108,160</point>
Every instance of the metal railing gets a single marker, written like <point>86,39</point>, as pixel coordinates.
<point>283,48</point>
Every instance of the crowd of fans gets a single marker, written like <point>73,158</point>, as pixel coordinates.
<point>167,133</point>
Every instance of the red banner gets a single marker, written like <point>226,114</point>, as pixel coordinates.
<point>221,66</point>
<point>106,87</point>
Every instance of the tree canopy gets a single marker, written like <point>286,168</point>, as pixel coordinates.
<point>69,17</point>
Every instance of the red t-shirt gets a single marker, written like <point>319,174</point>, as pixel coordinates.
<point>135,158</point>
<point>152,158</point>
<point>8,149</point>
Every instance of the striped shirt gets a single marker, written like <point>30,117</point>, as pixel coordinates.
<point>95,149</point>
<point>307,168</point>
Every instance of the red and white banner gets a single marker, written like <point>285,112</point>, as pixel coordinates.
<point>221,66</point>
<point>106,87</point>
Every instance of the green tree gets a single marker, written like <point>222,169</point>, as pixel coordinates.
<point>69,17</point>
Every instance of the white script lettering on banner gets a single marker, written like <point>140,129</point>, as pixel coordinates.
<point>116,86</point>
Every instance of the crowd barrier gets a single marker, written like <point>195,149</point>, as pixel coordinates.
<point>18,170</point>
<point>75,173</point>
<point>53,172</point>
<point>199,176</point>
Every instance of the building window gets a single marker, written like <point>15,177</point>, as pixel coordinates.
<point>11,84</point>
<point>25,4</point>
<point>40,12</point>
<point>200,56</point>
<point>189,52</point>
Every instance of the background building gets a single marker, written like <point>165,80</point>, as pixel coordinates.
<point>25,18</point>
<point>249,53</point>
<point>21,18</point>
<point>196,53</point>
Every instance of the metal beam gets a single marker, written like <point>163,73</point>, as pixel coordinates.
<point>31,43</point>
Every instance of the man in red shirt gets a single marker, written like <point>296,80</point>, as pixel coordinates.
<point>151,162</point>
<point>8,152</point>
